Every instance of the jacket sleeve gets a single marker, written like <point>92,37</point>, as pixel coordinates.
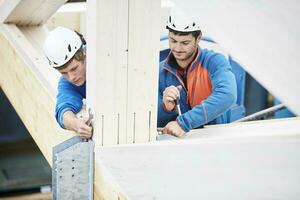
<point>163,116</point>
<point>67,99</point>
<point>223,96</point>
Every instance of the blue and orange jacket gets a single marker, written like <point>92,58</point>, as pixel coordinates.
<point>209,93</point>
<point>69,97</point>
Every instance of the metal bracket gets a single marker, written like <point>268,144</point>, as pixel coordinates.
<point>72,171</point>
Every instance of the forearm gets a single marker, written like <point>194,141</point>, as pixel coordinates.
<point>221,99</point>
<point>69,119</point>
<point>71,122</point>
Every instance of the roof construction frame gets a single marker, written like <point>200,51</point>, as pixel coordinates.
<point>243,160</point>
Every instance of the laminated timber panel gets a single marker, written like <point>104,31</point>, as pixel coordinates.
<point>107,68</point>
<point>28,12</point>
<point>122,72</point>
<point>225,165</point>
<point>33,102</point>
<point>27,42</point>
<point>143,62</point>
<point>220,169</point>
<point>280,128</point>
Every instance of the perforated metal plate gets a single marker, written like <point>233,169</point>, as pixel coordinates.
<point>72,171</point>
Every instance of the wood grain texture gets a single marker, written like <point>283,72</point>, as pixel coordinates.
<point>225,165</point>
<point>122,59</point>
<point>107,69</point>
<point>28,12</point>
<point>143,61</point>
<point>33,102</point>
<point>253,129</point>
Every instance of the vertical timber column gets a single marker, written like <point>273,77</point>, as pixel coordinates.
<point>107,38</point>
<point>122,69</point>
<point>143,64</point>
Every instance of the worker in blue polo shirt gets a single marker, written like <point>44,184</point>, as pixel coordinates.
<point>201,81</point>
<point>65,50</point>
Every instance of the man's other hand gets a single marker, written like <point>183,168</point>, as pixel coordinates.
<point>170,94</point>
<point>172,128</point>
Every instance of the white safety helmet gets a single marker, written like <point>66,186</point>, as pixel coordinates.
<point>178,21</point>
<point>61,45</point>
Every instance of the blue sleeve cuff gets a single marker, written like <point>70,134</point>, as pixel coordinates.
<point>60,115</point>
<point>183,124</point>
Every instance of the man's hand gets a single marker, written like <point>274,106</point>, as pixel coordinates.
<point>172,128</point>
<point>80,126</point>
<point>170,94</point>
<point>83,129</point>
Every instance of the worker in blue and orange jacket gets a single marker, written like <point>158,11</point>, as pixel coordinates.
<point>65,51</point>
<point>200,79</point>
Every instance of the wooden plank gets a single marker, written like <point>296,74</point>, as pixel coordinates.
<point>252,129</point>
<point>36,37</point>
<point>70,15</point>
<point>30,98</point>
<point>248,31</point>
<point>107,68</point>
<point>259,169</point>
<point>143,60</point>
<point>34,58</point>
<point>6,7</point>
<point>28,12</point>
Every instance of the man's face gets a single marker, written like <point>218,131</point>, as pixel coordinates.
<point>182,46</point>
<point>75,72</point>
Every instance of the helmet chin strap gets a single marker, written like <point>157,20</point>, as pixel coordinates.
<point>81,38</point>
<point>83,48</point>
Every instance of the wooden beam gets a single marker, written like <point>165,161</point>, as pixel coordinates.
<point>70,15</point>
<point>28,12</point>
<point>248,31</point>
<point>143,61</point>
<point>122,59</point>
<point>107,36</point>
<point>253,129</point>
<point>27,93</point>
<point>28,46</point>
<point>243,169</point>
<point>222,165</point>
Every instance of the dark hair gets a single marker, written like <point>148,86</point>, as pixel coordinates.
<point>194,33</point>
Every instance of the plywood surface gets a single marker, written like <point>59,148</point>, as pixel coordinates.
<point>209,168</point>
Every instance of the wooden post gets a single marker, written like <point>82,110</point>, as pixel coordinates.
<point>122,74</point>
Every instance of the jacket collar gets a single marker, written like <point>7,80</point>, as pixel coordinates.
<point>192,65</point>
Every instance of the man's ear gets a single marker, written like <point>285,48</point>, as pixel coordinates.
<point>199,37</point>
